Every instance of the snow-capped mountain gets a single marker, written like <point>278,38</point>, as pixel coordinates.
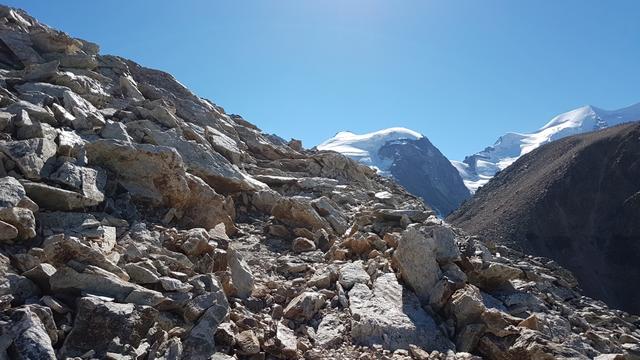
<point>477,169</point>
<point>364,148</point>
<point>410,158</point>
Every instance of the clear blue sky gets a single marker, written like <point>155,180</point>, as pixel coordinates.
<point>460,71</point>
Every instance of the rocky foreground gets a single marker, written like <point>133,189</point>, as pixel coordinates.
<point>139,221</point>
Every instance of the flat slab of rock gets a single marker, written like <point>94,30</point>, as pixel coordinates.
<point>391,316</point>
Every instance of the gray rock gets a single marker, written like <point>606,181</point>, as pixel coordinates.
<point>212,295</point>
<point>119,325</point>
<point>353,273</point>
<point>43,87</point>
<point>115,130</point>
<point>330,332</point>
<point>54,198</point>
<point>6,122</point>
<point>247,343</point>
<point>447,250</point>
<point>29,334</point>
<point>29,155</point>
<point>152,173</point>
<point>20,287</point>
<point>328,209</point>
<point>58,249</point>
<point>171,284</point>
<point>494,275</point>
<point>28,129</point>
<point>416,259</point>
<point>69,143</point>
<point>86,115</point>
<point>37,113</point>
<point>392,317</point>
<point>20,45</point>
<point>466,306</point>
<point>40,275</point>
<point>11,192</point>
<point>241,275</point>
<point>142,274</point>
<point>212,167</point>
<point>199,343</point>
<point>96,281</point>
<point>129,88</point>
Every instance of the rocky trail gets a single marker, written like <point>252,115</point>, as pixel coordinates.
<point>139,221</point>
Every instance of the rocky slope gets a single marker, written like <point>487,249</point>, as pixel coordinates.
<point>410,159</point>
<point>479,168</point>
<point>139,221</point>
<point>576,201</point>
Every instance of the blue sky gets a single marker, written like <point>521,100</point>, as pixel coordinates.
<point>460,71</point>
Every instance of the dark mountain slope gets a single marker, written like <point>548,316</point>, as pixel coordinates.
<point>576,200</point>
<point>422,169</point>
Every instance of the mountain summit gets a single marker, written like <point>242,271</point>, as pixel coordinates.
<point>479,168</point>
<point>408,157</point>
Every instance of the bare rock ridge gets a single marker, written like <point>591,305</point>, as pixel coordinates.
<point>139,221</point>
<point>575,200</point>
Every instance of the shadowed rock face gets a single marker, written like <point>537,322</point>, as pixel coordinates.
<point>576,200</point>
<point>422,169</point>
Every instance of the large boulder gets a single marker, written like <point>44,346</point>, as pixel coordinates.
<point>107,327</point>
<point>29,155</point>
<point>304,306</point>
<point>417,261</point>
<point>206,163</point>
<point>152,173</point>
<point>55,198</point>
<point>28,335</point>
<point>241,275</point>
<point>156,175</point>
<point>298,212</point>
<point>391,316</point>
<point>206,208</point>
<point>199,344</point>
<point>11,192</point>
<point>96,281</point>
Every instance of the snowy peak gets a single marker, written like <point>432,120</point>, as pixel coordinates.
<point>479,168</point>
<point>364,148</point>
<point>408,157</point>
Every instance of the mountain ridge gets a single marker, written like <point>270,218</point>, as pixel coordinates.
<point>477,169</point>
<point>573,200</point>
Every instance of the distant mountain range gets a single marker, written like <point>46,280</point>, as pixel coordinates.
<point>411,159</point>
<point>420,167</point>
<point>477,169</point>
